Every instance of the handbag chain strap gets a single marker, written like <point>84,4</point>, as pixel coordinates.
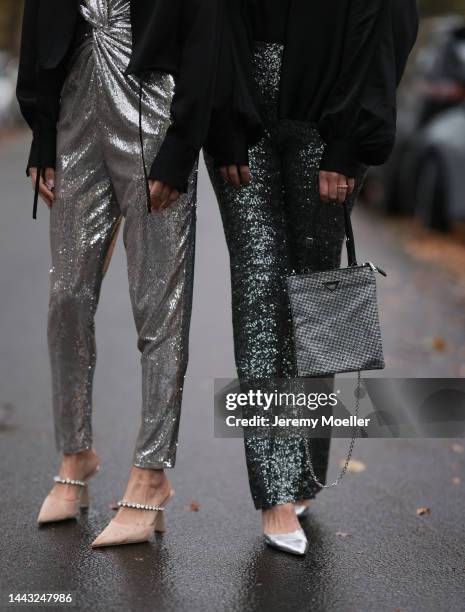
<point>352,261</point>
<point>350,240</point>
<point>351,447</point>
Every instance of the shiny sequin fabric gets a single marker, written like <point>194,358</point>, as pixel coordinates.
<point>276,226</point>
<point>99,181</point>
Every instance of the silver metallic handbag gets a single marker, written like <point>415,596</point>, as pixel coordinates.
<point>335,317</point>
<point>336,326</point>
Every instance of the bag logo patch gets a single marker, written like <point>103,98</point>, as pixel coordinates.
<point>332,285</point>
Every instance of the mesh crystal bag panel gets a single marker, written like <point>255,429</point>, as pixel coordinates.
<point>336,322</point>
<point>335,317</point>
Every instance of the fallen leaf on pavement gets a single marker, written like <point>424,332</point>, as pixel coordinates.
<point>439,344</point>
<point>423,511</point>
<point>194,506</point>
<point>445,251</point>
<point>354,466</point>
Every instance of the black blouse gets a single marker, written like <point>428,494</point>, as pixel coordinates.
<point>181,37</point>
<point>342,64</point>
<point>268,20</point>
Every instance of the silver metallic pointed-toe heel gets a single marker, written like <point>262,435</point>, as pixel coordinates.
<point>302,511</point>
<point>55,509</point>
<point>295,543</point>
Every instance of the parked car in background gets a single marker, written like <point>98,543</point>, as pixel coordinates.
<point>424,174</point>
<point>9,111</point>
<point>439,196</point>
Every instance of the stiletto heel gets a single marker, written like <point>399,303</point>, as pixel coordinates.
<point>117,534</point>
<point>302,510</point>
<point>85,497</point>
<point>160,525</point>
<point>55,509</point>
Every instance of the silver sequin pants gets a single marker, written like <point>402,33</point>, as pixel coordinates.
<point>99,182</point>
<point>266,227</point>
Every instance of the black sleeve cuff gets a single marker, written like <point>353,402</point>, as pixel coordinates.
<point>43,149</point>
<point>339,157</point>
<point>174,163</point>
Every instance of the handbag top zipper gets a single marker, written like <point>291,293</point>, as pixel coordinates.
<point>368,264</point>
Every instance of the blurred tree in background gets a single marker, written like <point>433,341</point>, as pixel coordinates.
<point>442,7</point>
<point>10,17</point>
<point>10,23</point>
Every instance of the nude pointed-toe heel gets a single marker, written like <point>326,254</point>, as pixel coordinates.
<point>85,498</point>
<point>55,509</point>
<point>117,534</point>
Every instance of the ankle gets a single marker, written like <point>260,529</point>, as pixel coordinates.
<point>83,461</point>
<point>147,477</point>
<point>280,519</point>
<point>148,486</point>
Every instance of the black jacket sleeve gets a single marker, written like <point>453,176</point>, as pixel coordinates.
<point>195,84</point>
<point>235,122</point>
<point>38,92</point>
<point>26,89</point>
<point>359,119</point>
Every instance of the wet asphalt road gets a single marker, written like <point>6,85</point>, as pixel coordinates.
<point>214,559</point>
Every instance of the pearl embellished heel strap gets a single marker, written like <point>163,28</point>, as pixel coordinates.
<point>127,504</point>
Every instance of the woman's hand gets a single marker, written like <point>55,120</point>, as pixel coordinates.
<point>335,187</point>
<point>162,195</point>
<point>46,186</point>
<point>236,175</point>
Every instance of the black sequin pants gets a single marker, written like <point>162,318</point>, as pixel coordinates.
<point>266,226</point>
